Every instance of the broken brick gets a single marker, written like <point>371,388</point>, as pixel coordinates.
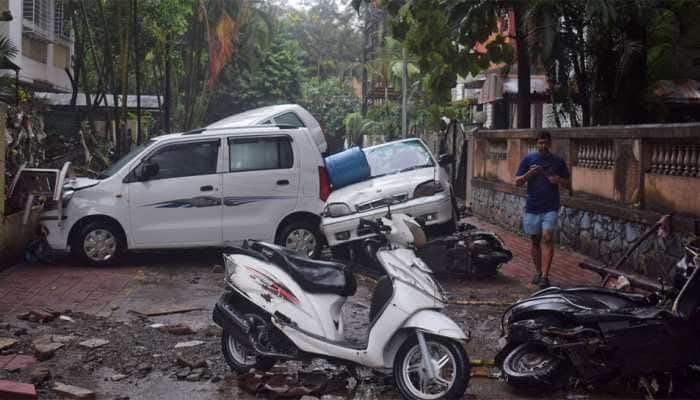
<point>17,390</point>
<point>19,362</point>
<point>73,392</point>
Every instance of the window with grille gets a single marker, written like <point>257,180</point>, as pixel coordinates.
<point>37,16</point>
<point>61,25</point>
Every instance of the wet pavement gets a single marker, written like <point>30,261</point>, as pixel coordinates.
<point>141,362</point>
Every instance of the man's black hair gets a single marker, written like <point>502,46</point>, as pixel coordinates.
<point>544,135</point>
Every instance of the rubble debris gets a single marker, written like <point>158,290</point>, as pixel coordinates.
<point>191,343</point>
<point>144,368</point>
<point>39,315</point>
<point>480,372</point>
<point>17,390</point>
<point>20,332</point>
<point>45,351</point>
<point>213,330</point>
<point>479,362</point>
<point>177,329</point>
<point>165,311</point>
<point>118,377</point>
<point>217,269</point>
<point>40,374</point>
<point>6,343</point>
<point>191,362</point>
<point>65,339</point>
<point>93,343</point>
<point>66,318</point>
<point>73,392</point>
<point>18,362</point>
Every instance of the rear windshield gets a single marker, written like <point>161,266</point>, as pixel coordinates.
<point>397,157</point>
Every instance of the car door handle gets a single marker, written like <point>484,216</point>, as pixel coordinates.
<point>283,182</point>
<point>207,188</point>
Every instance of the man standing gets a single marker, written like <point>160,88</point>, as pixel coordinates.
<point>543,172</point>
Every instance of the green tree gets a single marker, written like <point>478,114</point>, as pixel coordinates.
<point>330,101</point>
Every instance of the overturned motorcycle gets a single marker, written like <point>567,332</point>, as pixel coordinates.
<point>468,252</point>
<point>591,335</point>
<point>282,306</point>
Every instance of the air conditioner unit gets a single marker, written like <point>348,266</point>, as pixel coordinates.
<point>37,19</point>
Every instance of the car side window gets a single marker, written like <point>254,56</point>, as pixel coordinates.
<point>186,159</point>
<point>289,119</point>
<point>254,154</point>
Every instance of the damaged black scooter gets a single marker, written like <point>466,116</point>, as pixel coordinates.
<point>593,335</point>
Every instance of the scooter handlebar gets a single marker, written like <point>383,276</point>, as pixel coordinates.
<point>376,226</point>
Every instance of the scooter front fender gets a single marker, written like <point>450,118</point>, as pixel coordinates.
<point>435,323</point>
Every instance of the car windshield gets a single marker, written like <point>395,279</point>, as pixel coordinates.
<point>124,160</point>
<point>397,157</point>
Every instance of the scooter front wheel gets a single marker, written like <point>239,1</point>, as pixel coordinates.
<point>240,358</point>
<point>450,363</point>
<point>531,364</point>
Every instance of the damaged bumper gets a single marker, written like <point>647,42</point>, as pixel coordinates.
<point>435,209</point>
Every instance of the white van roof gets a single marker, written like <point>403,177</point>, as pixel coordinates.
<point>266,115</point>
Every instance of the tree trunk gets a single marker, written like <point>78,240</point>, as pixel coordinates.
<point>124,8</point>
<point>110,72</point>
<point>137,72</point>
<point>523,66</point>
<point>168,85</point>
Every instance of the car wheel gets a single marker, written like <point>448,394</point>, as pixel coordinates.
<point>303,237</point>
<point>98,243</point>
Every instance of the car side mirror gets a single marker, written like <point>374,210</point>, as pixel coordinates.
<point>445,159</point>
<point>146,171</point>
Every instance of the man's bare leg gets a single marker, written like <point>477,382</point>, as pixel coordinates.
<point>536,252</point>
<point>547,251</point>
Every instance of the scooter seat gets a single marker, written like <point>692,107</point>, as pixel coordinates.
<point>312,275</point>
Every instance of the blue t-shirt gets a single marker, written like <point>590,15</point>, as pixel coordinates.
<point>542,196</point>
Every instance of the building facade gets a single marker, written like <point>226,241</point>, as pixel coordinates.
<point>42,36</point>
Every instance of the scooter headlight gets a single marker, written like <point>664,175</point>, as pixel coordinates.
<point>231,266</point>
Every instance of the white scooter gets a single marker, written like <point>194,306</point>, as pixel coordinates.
<point>280,305</point>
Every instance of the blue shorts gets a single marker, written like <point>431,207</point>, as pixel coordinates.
<point>534,224</point>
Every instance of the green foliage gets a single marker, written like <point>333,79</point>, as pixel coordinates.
<point>441,35</point>
<point>327,33</point>
<point>272,76</point>
<point>329,100</point>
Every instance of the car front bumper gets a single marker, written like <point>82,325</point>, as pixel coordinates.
<point>435,209</point>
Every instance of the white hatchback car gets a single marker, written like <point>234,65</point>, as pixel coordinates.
<point>256,175</point>
<point>404,172</point>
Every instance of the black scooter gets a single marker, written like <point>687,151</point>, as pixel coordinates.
<point>589,335</point>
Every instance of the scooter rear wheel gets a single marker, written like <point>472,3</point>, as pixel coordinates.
<point>449,360</point>
<point>240,358</point>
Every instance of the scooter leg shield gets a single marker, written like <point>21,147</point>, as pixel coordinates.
<point>436,323</point>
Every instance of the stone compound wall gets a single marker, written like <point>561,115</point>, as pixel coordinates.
<point>599,236</point>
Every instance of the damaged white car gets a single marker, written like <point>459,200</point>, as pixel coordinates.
<point>256,175</point>
<point>404,172</point>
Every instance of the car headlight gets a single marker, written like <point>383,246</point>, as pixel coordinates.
<point>337,210</point>
<point>428,188</point>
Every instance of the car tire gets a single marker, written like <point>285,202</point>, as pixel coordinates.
<point>301,236</point>
<point>98,243</point>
